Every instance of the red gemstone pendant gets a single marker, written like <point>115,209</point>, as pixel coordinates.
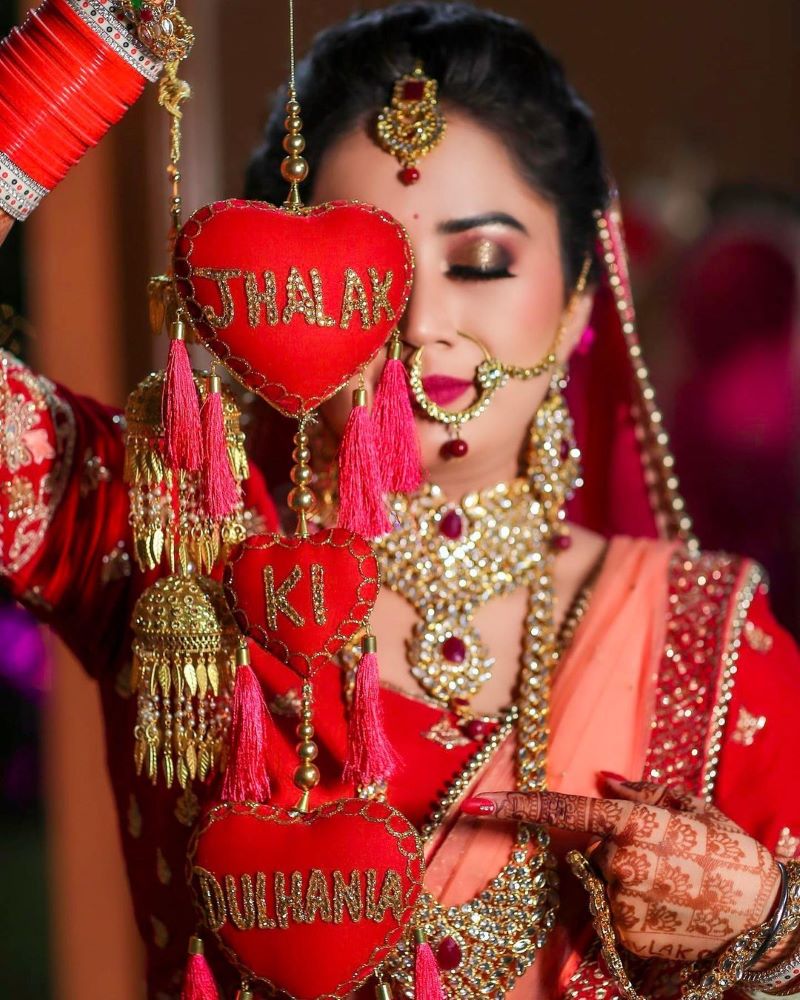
<point>454,649</point>
<point>451,525</point>
<point>409,175</point>
<point>448,954</point>
<point>454,448</point>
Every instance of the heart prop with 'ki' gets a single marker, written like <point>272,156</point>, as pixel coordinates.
<point>302,599</point>
<point>309,904</point>
<point>293,303</point>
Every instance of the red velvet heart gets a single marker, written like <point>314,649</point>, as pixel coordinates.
<point>311,942</point>
<point>302,599</point>
<point>293,303</point>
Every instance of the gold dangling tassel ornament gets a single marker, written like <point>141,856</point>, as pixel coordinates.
<point>184,664</point>
<point>167,513</point>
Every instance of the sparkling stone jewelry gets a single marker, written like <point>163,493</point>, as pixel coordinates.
<point>413,124</point>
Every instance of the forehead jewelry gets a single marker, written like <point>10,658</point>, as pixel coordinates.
<point>413,124</point>
<point>490,375</point>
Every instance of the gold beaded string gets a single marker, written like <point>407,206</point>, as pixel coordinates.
<point>294,168</point>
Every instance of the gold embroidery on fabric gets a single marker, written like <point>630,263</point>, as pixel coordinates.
<point>788,845</point>
<point>318,593</point>
<point>134,817</point>
<point>276,599</point>
<point>122,682</point>
<point>163,870</point>
<point>255,298</point>
<point>160,932</point>
<point>25,442</point>
<point>245,918</point>
<point>323,319</point>
<point>757,638</point>
<point>245,900</point>
<point>380,294</point>
<point>347,894</point>
<point>93,473</point>
<point>354,298</point>
<point>288,704</point>
<point>446,734</point>
<point>222,276</point>
<point>19,497</point>
<point>298,299</point>
<point>116,564</point>
<point>747,725</point>
<point>187,808</point>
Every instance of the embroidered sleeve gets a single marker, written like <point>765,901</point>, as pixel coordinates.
<point>37,442</point>
<point>64,511</point>
<point>758,783</point>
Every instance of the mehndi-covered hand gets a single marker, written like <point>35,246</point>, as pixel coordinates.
<point>683,879</point>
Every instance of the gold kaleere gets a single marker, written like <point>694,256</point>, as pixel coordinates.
<point>184,665</point>
<point>166,512</point>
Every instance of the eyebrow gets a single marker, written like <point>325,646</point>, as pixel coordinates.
<point>475,221</point>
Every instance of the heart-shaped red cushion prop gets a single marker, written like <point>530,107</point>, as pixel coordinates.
<point>302,599</point>
<point>309,904</point>
<point>293,303</point>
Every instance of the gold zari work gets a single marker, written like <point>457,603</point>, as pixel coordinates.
<point>183,674</point>
<point>184,537</point>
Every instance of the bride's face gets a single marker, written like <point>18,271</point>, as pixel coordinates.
<point>488,264</point>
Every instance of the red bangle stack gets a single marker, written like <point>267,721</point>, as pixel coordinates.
<point>68,74</point>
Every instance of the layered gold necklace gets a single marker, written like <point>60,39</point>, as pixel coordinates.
<point>447,560</point>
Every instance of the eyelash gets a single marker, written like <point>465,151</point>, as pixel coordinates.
<point>463,272</point>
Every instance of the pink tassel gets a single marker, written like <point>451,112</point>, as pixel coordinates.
<point>395,431</point>
<point>427,984</point>
<point>246,778</point>
<point>198,980</point>
<point>361,506</point>
<point>221,493</point>
<point>370,755</point>
<point>180,409</point>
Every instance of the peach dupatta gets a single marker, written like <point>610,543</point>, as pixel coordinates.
<point>601,708</point>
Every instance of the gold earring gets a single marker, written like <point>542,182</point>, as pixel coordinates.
<point>552,458</point>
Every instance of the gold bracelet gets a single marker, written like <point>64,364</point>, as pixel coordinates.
<point>779,977</point>
<point>699,980</point>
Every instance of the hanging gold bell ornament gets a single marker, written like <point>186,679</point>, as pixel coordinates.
<point>184,666</point>
<point>168,515</point>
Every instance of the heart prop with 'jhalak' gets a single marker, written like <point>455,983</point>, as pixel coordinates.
<point>302,599</point>
<point>308,904</point>
<point>294,303</point>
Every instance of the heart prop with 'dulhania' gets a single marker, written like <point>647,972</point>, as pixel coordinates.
<point>312,903</point>
<point>293,303</point>
<point>302,599</point>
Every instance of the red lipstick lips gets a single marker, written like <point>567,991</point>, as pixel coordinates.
<point>444,389</point>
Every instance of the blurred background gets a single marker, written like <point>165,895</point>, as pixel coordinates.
<point>697,101</point>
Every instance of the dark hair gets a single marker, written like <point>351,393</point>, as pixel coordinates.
<point>489,66</point>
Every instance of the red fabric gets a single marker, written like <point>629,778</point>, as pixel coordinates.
<point>62,88</point>
<point>347,581</point>
<point>758,784</point>
<point>291,364</point>
<point>601,393</point>
<point>248,839</point>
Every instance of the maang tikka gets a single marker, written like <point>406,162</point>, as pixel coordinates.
<point>413,124</point>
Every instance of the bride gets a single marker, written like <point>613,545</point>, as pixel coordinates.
<point>562,666</point>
